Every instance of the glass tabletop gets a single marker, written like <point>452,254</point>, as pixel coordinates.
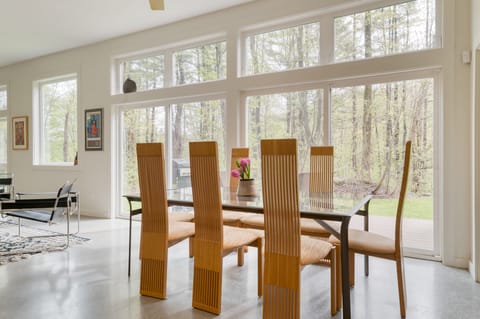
<point>333,206</point>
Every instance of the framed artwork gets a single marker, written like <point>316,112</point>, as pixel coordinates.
<point>94,130</point>
<point>20,133</point>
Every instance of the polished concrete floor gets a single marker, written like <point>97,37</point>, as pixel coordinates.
<point>90,281</point>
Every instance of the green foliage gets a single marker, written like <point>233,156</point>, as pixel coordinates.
<point>200,64</point>
<point>148,72</point>
<point>403,27</point>
<point>285,49</point>
<point>415,207</point>
<point>287,115</point>
<point>59,121</point>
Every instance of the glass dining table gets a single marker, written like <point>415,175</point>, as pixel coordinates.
<point>322,207</point>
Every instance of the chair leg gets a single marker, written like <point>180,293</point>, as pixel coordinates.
<point>240,256</point>
<point>351,258</point>
<point>402,293</point>
<point>153,277</point>
<point>333,281</point>
<point>339,277</point>
<point>260,266</point>
<point>190,246</point>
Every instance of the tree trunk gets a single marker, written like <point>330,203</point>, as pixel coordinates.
<point>367,105</point>
<point>65,137</point>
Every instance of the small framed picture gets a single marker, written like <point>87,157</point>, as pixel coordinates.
<point>94,130</point>
<point>20,133</point>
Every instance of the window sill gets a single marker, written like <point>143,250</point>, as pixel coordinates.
<point>56,167</point>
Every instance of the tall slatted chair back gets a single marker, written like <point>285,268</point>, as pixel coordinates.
<point>321,175</point>
<point>237,154</point>
<point>282,229</point>
<point>208,244</point>
<point>154,232</point>
<point>401,198</point>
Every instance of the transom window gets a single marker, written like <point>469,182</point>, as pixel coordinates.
<point>57,121</point>
<point>403,27</point>
<point>201,64</point>
<point>147,72</point>
<point>284,49</point>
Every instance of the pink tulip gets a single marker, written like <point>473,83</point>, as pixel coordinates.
<point>244,162</point>
<point>235,173</point>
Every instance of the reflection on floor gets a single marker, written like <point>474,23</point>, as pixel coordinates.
<point>90,281</point>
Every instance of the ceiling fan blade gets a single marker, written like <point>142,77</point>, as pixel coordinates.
<point>157,5</point>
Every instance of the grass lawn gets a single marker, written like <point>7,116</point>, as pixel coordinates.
<point>416,207</point>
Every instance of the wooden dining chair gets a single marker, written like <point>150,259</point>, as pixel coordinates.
<point>286,250</point>
<point>320,180</point>
<point>213,241</point>
<point>232,218</point>
<point>157,231</point>
<point>371,244</point>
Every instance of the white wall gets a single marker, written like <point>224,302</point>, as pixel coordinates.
<point>475,75</point>
<point>93,64</point>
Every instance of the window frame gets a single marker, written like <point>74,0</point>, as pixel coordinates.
<point>238,86</point>
<point>38,129</point>
<point>168,52</point>
<point>4,114</point>
<point>326,19</point>
<point>438,137</point>
<point>168,105</point>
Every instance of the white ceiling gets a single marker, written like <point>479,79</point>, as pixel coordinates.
<point>32,28</point>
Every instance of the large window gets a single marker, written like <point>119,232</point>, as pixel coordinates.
<point>3,129</point>
<point>370,125</point>
<point>175,125</point>
<point>139,125</point>
<point>403,27</point>
<point>290,92</point>
<point>57,121</point>
<point>285,49</point>
<point>200,64</point>
<point>3,98</point>
<point>286,115</point>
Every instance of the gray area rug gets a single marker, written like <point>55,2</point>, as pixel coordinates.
<point>14,248</point>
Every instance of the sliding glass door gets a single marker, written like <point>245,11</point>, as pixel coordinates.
<point>370,124</point>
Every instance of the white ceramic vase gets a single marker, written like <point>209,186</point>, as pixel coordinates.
<point>246,187</point>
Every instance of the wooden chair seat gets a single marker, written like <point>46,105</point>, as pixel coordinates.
<point>180,216</point>
<point>180,230</point>
<point>313,250</point>
<point>234,237</point>
<point>254,221</point>
<point>310,227</point>
<point>232,218</point>
<point>363,241</point>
